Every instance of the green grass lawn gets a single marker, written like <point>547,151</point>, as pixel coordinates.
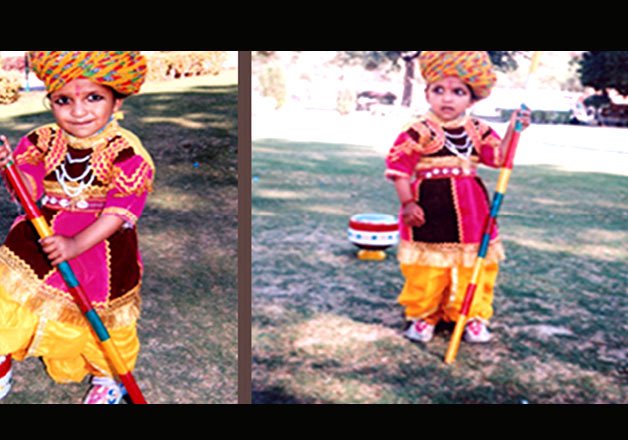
<point>188,240</point>
<point>326,326</point>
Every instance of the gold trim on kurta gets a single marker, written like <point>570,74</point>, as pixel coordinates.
<point>137,183</point>
<point>407,147</point>
<point>54,143</point>
<point>432,138</point>
<point>476,128</point>
<point>31,155</point>
<point>446,254</point>
<point>447,161</point>
<point>103,157</point>
<point>108,259</point>
<point>22,284</point>
<point>120,212</point>
<point>56,155</point>
<point>49,275</point>
<point>53,188</point>
<point>113,176</point>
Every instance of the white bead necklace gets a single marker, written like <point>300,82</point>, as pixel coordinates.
<point>462,151</point>
<point>63,176</point>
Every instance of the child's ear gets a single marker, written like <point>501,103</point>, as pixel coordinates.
<point>117,104</point>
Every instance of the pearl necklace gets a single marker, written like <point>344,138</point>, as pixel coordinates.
<point>63,176</point>
<point>462,151</point>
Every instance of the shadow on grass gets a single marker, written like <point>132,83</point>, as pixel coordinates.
<point>560,301</point>
<point>188,240</point>
<point>277,395</point>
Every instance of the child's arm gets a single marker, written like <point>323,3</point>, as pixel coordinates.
<point>411,212</point>
<point>524,116</point>
<point>60,248</point>
<point>6,156</point>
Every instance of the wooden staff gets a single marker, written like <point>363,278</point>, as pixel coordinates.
<point>43,229</point>
<point>500,190</point>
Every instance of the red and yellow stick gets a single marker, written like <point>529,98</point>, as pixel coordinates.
<point>43,229</point>
<point>500,190</point>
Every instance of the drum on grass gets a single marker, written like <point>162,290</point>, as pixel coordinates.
<point>373,233</point>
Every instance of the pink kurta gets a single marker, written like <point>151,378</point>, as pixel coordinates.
<point>77,181</point>
<point>441,162</point>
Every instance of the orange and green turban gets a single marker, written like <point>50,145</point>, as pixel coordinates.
<point>123,71</point>
<point>472,67</point>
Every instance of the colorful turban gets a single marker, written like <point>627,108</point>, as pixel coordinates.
<point>472,67</point>
<point>123,71</point>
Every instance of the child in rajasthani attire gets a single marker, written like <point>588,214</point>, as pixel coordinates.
<point>92,178</point>
<point>444,203</point>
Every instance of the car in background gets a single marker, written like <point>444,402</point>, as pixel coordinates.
<point>607,108</point>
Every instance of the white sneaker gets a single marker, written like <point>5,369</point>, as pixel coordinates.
<point>419,331</point>
<point>104,390</point>
<point>476,332</point>
<point>6,376</point>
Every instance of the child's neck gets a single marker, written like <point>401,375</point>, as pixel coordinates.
<point>102,134</point>
<point>111,119</point>
<point>458,121</point>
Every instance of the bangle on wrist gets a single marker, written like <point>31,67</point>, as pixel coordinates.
<point>407,202</point>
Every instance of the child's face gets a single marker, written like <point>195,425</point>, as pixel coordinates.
<point>449,98</point>
<point>82,107</point>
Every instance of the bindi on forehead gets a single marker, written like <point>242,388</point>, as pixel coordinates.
<point>80,87</point>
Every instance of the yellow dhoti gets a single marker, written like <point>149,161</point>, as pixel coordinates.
<point>69,351</point>
<point>435,293</point>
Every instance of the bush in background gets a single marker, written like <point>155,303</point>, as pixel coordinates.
<point>172,65</point>
<point>10,83</point>
<point>13,63</point>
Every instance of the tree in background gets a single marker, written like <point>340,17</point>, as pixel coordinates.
<point>605,69</point>
<point>504,60</point>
